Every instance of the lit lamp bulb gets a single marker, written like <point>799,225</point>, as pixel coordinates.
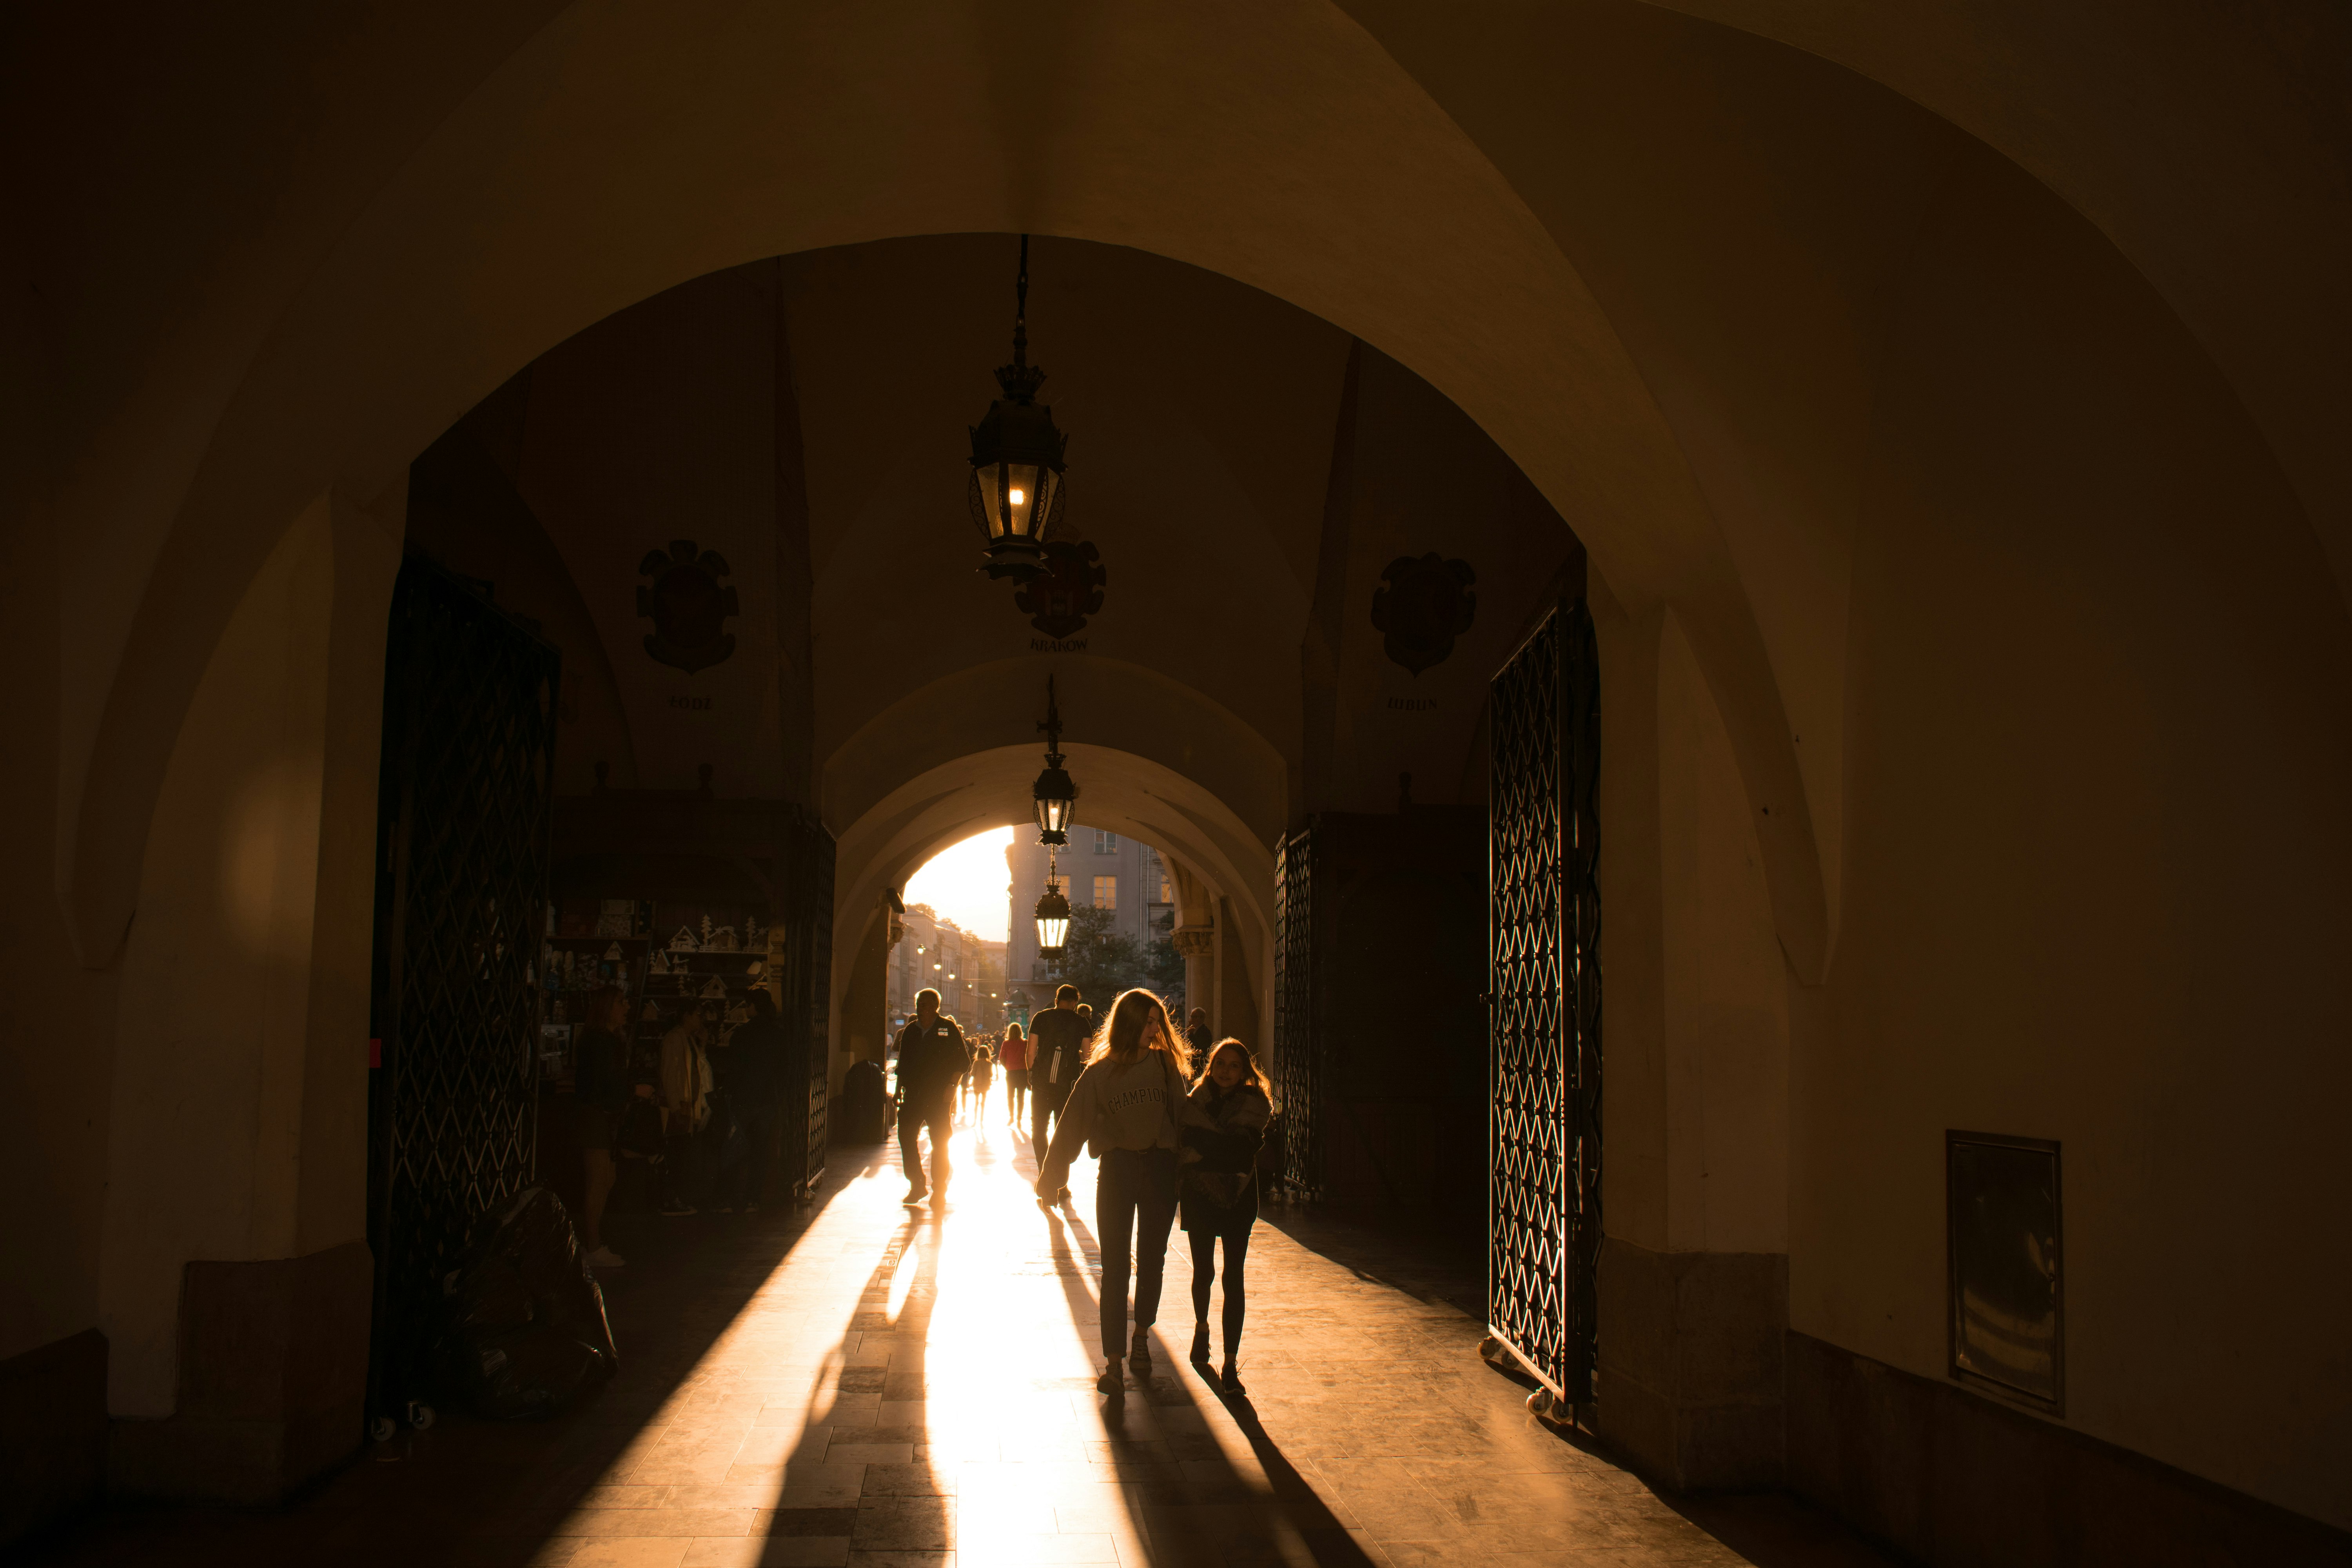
<point>1017,497</point>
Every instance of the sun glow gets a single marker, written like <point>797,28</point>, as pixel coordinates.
<point>966,883</point>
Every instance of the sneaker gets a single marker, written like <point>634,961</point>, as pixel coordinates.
<point>1200,1344</point>
<point>916,1192</point>
<point>1110,1382</point>
<point>675,1209</point>
<point>1138,1355</point>
<point>605,1258</point>
<point>1230,1378</point>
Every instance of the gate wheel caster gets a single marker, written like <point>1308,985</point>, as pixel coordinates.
<point>382,1427</point>
<point>420,1414</point>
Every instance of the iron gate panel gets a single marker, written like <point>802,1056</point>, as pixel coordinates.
<point>1296,1049</point>
<point>1544,1002</point>
<point>464,812</point>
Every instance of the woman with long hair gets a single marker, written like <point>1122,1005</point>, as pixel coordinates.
<point>1224,1120</point>
<point>1013,1056</point>
<point>1124,1110</point>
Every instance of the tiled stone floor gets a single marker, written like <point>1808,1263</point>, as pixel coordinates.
<point>858,1383</point>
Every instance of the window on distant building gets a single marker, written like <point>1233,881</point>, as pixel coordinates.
<point>1105,892</point>
<point>1106,843</point>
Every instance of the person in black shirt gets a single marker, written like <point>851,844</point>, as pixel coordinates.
<point>932,1061</point>
<point>1058,1053</point>
<point>1224,1123</point>
<point>750,1069</point>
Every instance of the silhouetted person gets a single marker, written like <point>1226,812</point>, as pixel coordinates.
<point>1196,1030</point>
<point>751,1071</point>
<point>686,1107</point>
<point>600,1087</point>
<point>1124,1110</point>
<point>932,1061</point>
<point>1224,1121</point>
<point>1058,1053</point>
<point>982,1078</point>
<point>1013,1055</point>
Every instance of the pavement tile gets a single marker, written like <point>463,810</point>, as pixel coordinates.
<point>639,1552</point>
<point>774,1410</point>
<point>755,1552</point>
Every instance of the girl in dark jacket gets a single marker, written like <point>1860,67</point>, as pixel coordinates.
<point>1223,1123</point>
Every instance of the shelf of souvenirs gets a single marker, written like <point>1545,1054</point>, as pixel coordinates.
<point>574,965</point>
<point>709,981</point>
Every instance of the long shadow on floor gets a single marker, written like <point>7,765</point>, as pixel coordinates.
<point>1194,1501</point>
<point>470,1491</point>
<point>842,1486</point>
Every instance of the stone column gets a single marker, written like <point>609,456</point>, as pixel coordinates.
<point>1198,944</point>
<point>1195,935</point>
<point>234,1295</point>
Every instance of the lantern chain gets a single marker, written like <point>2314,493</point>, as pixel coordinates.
<point>1021,309</point>
<point>1052,726</point>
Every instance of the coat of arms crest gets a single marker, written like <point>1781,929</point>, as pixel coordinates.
<point>1071,589</point>
<point>1422,603</point>
<point>688,606</point>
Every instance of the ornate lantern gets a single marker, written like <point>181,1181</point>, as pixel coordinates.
<point>1016,460</point>
<point>1054,795</point>
<point>1053,914</point>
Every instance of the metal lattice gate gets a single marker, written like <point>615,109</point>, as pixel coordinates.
<point>1544,1004</point>
<point>1298,1064</point>
<point>464,811</point>
<point>807,972</point>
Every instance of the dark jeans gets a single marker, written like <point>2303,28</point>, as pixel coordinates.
<point>937,1113</point>
<point>1044,1104</point>
<point>1135,1204</point>
<point>747,1181</point>
<point>682,1170</point>
<point>1204,1271</point>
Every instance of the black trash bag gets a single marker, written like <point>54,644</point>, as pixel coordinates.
<point>863,1103</point>
<point>526,1329</point>
<point>492,1300</point>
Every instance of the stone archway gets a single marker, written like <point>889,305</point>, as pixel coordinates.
<point>1128,793</point>
<point>494,240</point>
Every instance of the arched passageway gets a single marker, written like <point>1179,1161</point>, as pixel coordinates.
<point>1885,371</point>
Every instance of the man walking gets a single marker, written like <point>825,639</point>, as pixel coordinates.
<point>933,1062</point>
<point>1057,1039</point>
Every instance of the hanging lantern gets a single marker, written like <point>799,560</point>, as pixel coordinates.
<point>1016,460</point>
<point>1055,796</point>
<point>1053,915</point>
